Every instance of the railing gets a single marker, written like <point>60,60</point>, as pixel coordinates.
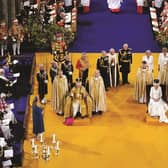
<point>31,82</point>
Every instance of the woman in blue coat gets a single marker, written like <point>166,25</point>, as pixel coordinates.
<point>38,124</point>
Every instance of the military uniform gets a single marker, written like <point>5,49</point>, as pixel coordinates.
<point>103,67</point>
<point>17,37</point>
<point>67,69</point>
<point>42,79</point>
<point>125,61</point>
<point>53,73</point>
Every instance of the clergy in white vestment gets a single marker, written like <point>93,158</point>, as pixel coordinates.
<point>149,59</point>
<point>158,6</point>
<point>158,3</point>
<point>97,93</point>
<point>85,2</point>
<point>68,3</point>
<point>163,77</point>
<point>59,92</point>
<point>114,5</point>
<point>113,68</point>
<point>163,58</point>
<point>86,5</point>
<point>140,4</point>
<point>143,78</point>
<point>157,107</point>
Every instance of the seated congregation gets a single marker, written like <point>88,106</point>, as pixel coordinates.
<point>11,129</point>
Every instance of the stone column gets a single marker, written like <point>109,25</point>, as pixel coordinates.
<point>4,10</point>
<point>19,6</point>
<point>11,11</point>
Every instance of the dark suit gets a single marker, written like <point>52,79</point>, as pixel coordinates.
<point>67,69</point>
<point>103,67</point>
<point>42,85</point>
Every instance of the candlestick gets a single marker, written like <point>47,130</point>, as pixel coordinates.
<point>53,139</point>
<point>41,138</point>
<point>32,142</point>
<point>57,145</point>
<point>35,149</point>
<point>35,152</point>
<point>48,150</point>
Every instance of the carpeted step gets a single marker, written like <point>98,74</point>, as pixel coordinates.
<point>153,120</point>
<point>82,122</point>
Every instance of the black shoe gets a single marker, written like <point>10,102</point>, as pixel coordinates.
<point>100,112</point>
<point>94,112</point>
<point>127,83</point>
<point>60,114</point>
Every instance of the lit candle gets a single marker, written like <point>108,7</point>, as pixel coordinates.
<point>32,142</point>
<point>35,149</point>
<point>53,138</point>
<point>48,150</point>
<point>57,145</point>
<point>41,137</point>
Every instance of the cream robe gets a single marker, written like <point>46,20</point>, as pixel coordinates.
<point>59,92</point>
<point>143,77</point>
<point>162,60</point>
<point>98,94</point>
<point>81,96</point>
<point>163,77</point>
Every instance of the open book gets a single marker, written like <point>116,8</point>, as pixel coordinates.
<point>16,75</point>
<point>8,153</point>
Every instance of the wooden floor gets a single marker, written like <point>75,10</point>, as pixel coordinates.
<point>120,138</point>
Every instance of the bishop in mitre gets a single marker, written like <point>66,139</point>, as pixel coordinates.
<point>163,77</point>
<point>143,77</point>
<point>97,93</point>
<point>78,102</point>
<point>59,92</point>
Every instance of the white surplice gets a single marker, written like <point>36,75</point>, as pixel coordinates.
<point>114,64</point>
<point>68,2</point>
<point>162,60</point>
<point>114,4</point>
<point>157,108</point>
<point>149,61</point>
<point>85,2</point>
<point>140,2</point>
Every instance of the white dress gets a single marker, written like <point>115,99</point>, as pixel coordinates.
<point>157,108</point>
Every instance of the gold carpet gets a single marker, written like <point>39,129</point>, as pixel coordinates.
<point>119,138</point>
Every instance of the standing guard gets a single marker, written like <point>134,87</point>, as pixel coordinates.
<point>3,38</point>
<point>125,61</point>
<point>103,67</point>
<point>16,33</point>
